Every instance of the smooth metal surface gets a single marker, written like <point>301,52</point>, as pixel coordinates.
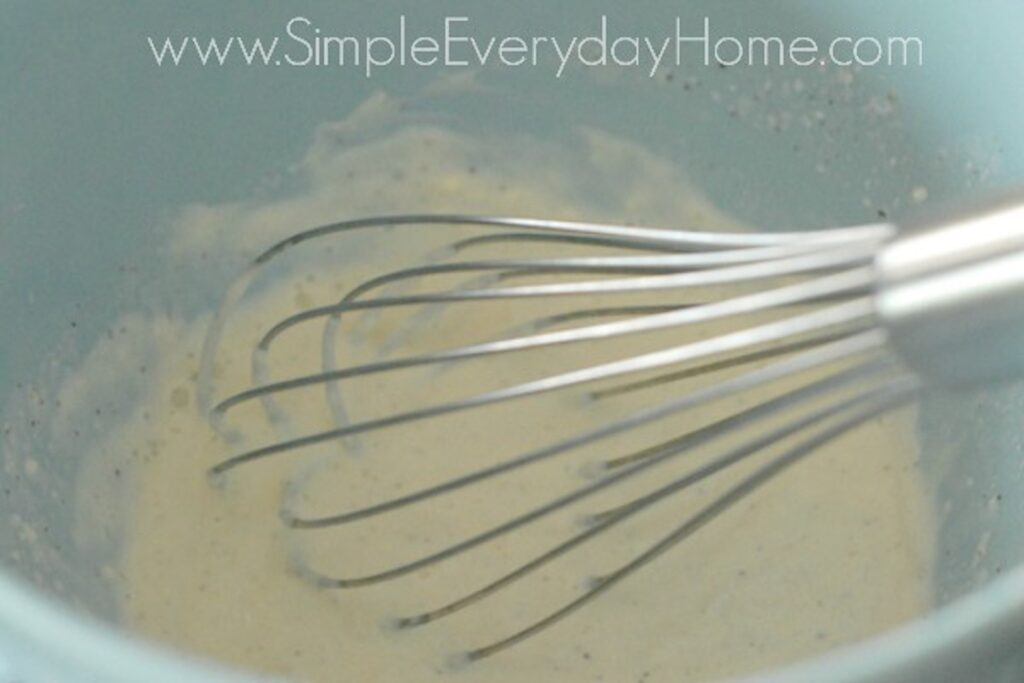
<point>951,293</point>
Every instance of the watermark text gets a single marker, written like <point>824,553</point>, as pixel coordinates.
<point>454,43</point>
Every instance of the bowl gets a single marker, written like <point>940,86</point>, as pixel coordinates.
<point>103,147</point>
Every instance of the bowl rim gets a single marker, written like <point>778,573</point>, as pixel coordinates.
<point>50,640</point>
<point>956,636</point>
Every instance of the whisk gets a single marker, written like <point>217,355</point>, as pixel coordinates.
<point>878,312</point>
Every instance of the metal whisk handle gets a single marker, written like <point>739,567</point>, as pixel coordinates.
<point>951,293</point>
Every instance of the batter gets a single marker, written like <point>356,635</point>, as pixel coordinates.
<point>835,550</point>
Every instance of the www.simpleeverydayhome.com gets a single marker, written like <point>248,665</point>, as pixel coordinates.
<point>455,45</point>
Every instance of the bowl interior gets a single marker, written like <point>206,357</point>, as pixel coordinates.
<point>99,162</point>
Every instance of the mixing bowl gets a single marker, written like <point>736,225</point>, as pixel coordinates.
<point>102,147</point>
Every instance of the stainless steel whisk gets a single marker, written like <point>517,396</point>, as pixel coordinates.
<point>886,311</point>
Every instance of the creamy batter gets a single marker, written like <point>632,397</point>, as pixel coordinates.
<point>833,551</point>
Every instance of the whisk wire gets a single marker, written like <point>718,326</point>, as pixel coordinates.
<point>846,348</point>
<point>695,351</point>
<point>844,282</point>
<point>859,410</point>
<point>661,453</point>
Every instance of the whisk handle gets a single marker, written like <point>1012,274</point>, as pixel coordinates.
<point>951,292</point>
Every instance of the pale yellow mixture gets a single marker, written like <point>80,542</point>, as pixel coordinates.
<point>833,551</point>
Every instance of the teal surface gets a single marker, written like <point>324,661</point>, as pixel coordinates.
<point>99,148</point>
